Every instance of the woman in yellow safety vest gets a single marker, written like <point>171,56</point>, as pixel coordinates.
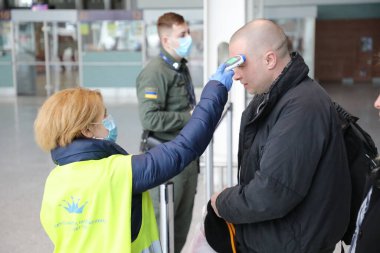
<point>96,199</point>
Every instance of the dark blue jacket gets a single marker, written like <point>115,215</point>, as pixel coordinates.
<point>162,162</point>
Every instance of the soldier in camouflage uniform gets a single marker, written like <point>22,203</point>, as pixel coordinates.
<point>166,99</point>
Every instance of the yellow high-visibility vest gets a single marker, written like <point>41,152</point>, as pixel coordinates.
<point>87,207</point>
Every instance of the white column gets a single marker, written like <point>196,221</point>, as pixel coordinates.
<point>107,4</point>
<point>309,54</point>
<point>78,5</point>
<point>221,19</point>
<point>127,5</point>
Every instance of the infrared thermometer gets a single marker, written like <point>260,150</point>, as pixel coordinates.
<point>234,62</point>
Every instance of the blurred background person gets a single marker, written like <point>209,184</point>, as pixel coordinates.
<point>366,237</point>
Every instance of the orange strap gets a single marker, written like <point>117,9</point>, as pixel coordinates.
<point>231,229</point>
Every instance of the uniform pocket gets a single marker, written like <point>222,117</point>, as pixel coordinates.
<point>177,96</point>
<point>178,89</point>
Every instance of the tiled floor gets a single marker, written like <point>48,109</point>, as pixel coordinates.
<point>24,168</point>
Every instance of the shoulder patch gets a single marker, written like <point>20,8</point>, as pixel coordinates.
<point>150,93</point>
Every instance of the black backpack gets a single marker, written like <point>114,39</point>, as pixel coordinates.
<point>361,152</point>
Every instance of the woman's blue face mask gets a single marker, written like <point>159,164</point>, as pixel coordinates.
<point>110,125</point>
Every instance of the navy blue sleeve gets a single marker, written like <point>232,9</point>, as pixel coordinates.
<point>167,160</point>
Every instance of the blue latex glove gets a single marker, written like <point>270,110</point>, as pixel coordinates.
<point>224,77</point>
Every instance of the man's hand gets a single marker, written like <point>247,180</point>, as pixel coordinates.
<point>225,77</point>
<point>213,202</point>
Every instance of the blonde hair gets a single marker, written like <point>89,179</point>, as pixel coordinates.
<point>64,115</point>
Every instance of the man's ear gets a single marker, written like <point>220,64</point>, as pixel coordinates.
<point>87,133</point>
<point>164,38</point>
<point>270,60</point>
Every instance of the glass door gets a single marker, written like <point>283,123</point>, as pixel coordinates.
<point>63,55</point>
<point>45,51</point>
<point>30,58</point>
<point>46,57</point>
<point>6,80</point>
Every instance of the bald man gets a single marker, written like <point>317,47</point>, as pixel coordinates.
<point>293,193</point>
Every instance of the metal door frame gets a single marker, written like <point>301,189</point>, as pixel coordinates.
<point>44,17</point>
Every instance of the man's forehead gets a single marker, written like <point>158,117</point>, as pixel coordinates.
<point>178,28</point>
<point>237,47</point>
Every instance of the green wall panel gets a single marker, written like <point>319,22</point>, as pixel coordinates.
<point>97,71</point>
<point>112,56</point>
<point>6,57</point>
<point>6,79</point>
<point>349,11</point>
<point>110,76</point>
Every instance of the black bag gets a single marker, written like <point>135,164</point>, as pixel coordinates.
<point>220,234</point>
<point>361,152</point>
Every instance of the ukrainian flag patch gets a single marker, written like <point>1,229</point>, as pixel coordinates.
<point>151,93</point>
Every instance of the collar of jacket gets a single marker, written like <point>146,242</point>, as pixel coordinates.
<point>85,149</point>
<point>169,59</point>
<point>290,77</point>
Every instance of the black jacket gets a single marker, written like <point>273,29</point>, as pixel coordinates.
<point>294,188</point>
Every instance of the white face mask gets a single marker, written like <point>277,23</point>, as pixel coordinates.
<point>185,43</point>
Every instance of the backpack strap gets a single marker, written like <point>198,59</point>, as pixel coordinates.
<point>348,120</point>
<point>344,114</point>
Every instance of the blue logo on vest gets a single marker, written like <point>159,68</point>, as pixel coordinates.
<point>73,207</point>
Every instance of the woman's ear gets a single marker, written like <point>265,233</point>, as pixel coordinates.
<point>87,133</point>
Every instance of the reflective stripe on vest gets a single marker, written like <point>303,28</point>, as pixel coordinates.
<point>86,207</point>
